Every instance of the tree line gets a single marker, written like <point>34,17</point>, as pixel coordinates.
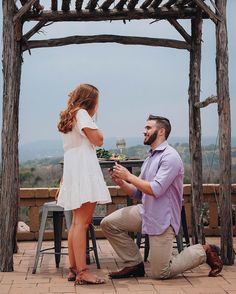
<point>47,172</point>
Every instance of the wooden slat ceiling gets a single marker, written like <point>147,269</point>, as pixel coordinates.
<point>96,10</point>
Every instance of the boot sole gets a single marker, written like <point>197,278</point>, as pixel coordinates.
<point>126,276</point>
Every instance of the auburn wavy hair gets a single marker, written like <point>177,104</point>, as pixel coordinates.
<point>84,96</point>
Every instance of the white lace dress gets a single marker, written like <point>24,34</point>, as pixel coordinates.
<point>82,175</point>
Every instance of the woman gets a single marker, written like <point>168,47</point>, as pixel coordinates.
<point>83,184</point>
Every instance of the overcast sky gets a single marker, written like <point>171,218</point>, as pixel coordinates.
<point>134,81</point>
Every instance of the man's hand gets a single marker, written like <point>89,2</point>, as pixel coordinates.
<point>115,179</point>
<point>121,172</point>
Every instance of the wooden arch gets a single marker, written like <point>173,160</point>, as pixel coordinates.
<point>15,43</point>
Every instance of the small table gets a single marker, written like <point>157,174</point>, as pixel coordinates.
<point>129,164</point>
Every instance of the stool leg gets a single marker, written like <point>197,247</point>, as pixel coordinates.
<point>40,239</point>
<point>179,240</point>
<point>93,237</point>
<point>138,239</point>
<point>87,248</point>
<point>146,248</point>
<point>57,224</point>
<point>184,226</point>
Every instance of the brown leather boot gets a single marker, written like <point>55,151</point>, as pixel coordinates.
<point>129,271</point>
<point>213,260</point>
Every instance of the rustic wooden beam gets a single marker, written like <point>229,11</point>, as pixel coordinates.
<point>113,14</point>
<point>155,3</point>
<point>54,5</point>
<point>106,4</point>
<point>183,2</point>
<point>206,102</point>
<point>169,3</point>
<point>222,84</point>
<point>195,131</point>
<point>215,7</point>
<point>65,6</point>
<point>126,40</point>
<point>23,10</point>
<point>145,4</point>
<point>132,3</point>
<point>207,10</point>
<point>120,4</point>
<point>91,5</point>
<point>180,29</point>
<point>34,30</point>
<point>37,7</point>
<point>78,5</point>
<point>23,2</point>
<point>9,178</point>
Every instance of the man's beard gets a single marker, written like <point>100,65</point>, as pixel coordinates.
<point>151,139</point>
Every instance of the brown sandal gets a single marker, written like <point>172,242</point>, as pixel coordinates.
<point>80,280</point>
<point>72,274</point>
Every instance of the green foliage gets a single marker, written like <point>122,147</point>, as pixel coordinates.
<point>103,153</point>
<point>41,173</point>
<point>25,176</point>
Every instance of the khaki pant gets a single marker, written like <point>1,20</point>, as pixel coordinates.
<point>163,264</point>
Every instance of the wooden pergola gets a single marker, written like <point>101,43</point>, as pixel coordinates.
<point>15,14</point>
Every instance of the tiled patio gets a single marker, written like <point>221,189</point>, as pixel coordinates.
<point>49,279</point>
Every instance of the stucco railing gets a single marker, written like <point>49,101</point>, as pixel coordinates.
<point>32,199</point>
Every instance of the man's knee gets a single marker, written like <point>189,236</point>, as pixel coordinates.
<point>105,223</point>
<point>161,273</point>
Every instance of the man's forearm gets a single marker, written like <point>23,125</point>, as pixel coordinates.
<point>142,185</point>
<point>127,188</point>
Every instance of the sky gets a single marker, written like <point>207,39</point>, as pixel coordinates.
<point>134,81</point>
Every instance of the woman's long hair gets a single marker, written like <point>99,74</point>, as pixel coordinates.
<point>85,96</point>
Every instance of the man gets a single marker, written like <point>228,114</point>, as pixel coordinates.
<point>160,188</point>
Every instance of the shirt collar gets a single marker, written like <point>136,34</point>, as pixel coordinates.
<point>159,148</point>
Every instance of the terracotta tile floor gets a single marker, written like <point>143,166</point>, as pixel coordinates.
<point>49,279</point>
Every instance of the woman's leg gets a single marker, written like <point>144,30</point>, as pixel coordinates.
<point>81,219</point>
<point>77,243</point>
<point>70,246</point>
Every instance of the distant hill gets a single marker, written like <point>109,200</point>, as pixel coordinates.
<point>40,149</point>
<point>53,148</point>
<point>47,171</point>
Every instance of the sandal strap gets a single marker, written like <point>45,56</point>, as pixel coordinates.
<point>83,270</point>
<point>73,270</point>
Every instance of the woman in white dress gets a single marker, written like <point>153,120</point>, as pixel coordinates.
<point>83,184</point>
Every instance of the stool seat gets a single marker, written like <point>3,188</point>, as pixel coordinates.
<point>58,214</point>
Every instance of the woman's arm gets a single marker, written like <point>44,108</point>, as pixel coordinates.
<point>95,136</point>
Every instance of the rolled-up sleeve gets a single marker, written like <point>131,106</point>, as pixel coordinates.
<point>137,194</point>
<point>169,169</point>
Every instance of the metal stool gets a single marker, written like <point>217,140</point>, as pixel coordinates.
<point>58,213</point>
<point>183,233</point>
<point>91,233</point>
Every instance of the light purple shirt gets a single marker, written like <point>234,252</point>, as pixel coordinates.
<point>163,168</point>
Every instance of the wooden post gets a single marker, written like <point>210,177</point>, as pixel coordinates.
<point>10,165</point>
<point>226,225</point>
<point>195,132</point>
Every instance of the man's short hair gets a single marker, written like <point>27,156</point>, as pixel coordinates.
<point>163,122</point>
